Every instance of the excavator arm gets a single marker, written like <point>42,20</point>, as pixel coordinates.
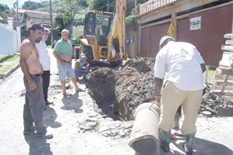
<point>116,37</point>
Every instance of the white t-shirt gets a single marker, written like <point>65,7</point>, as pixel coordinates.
<point>181,61</point>
<point>43,55</point>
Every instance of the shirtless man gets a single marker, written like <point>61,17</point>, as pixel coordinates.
<point>63,54</point>
<point>32,70</point>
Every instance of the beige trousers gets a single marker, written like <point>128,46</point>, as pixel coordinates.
<point>172,98</point>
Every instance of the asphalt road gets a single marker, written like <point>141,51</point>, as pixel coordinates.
<point>214,135</point>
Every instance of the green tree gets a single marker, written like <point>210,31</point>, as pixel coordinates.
<point>83,3</point>
<point>67,10</point>
<point>30,5</point>
<point>59,22</point>
<point>15,4</point>
<point>5,12</point>
<point>102,5</point>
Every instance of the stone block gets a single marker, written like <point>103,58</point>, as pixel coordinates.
<point>224,112</point>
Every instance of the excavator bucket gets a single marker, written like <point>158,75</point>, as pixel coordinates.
<point>114,48</point>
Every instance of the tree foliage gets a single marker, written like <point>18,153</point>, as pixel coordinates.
<point>65,9</point>
<point>102,5</point>
<point>5,12</point>
<point>30,5</point>
<point>130,21</point>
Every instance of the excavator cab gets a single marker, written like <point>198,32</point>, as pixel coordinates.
<point>98,24</point>
<point>104,35</point>
<point>96,30</point>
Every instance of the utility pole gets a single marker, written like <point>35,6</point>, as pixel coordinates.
<point>51,19</point>
<point>135,14</point>
<point>17,12</point>
<point>135,7</point>
<point>107,5</point>
<point>18,30</point>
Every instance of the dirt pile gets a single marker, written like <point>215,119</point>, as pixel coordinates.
<point>119,91</point>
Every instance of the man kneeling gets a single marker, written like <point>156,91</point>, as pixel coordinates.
<point>80,67</point>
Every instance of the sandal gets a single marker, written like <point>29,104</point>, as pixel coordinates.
<point>66,94</point>
<point>80,90</point>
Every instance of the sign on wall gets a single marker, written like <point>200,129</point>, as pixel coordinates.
<point>195,23</point>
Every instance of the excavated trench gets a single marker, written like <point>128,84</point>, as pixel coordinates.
<point>119,91</point>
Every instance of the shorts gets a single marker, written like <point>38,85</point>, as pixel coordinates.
<point>66,71</point>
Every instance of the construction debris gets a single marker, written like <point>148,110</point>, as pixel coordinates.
<point>119,91</point>
<point>214,103</point>
<point>223,83</point>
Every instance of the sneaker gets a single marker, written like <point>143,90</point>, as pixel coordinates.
<point>27,132</point>
<point>45,136</point>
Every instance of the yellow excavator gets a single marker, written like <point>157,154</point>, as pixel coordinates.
<point>104,35</point>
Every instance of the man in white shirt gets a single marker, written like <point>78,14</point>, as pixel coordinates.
<point>184,84</point>
<point>45,61</point>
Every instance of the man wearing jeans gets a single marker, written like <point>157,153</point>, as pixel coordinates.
<point>32,70</point>
<point>45,62</point>
<point>184,85</point>
<point>63,54</point>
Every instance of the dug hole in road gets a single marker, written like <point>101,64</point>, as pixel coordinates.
<point>82,127</point>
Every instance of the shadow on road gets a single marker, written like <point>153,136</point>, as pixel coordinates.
<point>203,147</point>
<point>37,146</point>
<point>72,103</point>
<point>50,116</point>
<point>211,148</point>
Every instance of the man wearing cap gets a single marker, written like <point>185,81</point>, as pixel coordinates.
<point>184,67</point>
<point>45,61</point>
<point>32,70</point>
<point>63,53</point>
<point>81,66</point>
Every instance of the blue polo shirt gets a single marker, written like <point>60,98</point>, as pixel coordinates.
<point>64,48</point>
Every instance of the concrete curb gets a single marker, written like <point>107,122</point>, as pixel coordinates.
<point>3,76</point>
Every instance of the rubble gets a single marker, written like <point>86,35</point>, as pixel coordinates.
<point>118,91</point>
<point>215,105</point>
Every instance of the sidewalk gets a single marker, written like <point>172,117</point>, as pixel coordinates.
<point>5,64</point>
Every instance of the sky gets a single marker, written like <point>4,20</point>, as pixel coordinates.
<point>10,3</point>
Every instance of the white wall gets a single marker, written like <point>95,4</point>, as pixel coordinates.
<point>18,39</point>
<point>6,41</point>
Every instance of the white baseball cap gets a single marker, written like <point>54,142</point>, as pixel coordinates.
<point>82,55</point>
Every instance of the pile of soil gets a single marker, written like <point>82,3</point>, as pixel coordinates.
<point>120,90</point>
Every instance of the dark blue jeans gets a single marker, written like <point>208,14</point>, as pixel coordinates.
<point>79,74</point>
<point>45,84</point>
<point>34,106</point>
